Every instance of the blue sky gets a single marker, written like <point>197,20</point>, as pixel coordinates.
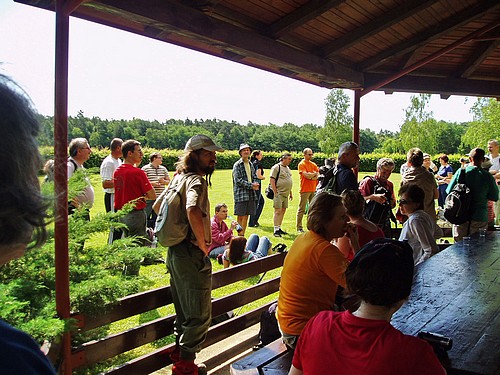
<point>115,74</point>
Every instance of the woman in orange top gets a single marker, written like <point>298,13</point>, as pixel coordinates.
<point>314,267</point>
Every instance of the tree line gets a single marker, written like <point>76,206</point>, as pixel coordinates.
<point>419,129</point>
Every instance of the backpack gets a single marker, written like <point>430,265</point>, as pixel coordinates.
<point>269,330</point>
<point>375,212</point>
<point>172,225</point>
<point>328,181</point>
<point>457,205</point>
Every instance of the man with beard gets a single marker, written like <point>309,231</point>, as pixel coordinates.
<point>188,262</point>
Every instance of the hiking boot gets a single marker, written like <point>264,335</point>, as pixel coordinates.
<point>188,368</point>
<point>277,233</point>
<point>174,353</point>
<point>282,231</point>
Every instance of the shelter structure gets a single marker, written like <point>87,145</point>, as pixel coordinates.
<point>445,47</point>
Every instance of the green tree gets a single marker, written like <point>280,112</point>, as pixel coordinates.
<point>485,124</point>
<point>338,122</point>
<point>418,127</point>
<point>368,141</point>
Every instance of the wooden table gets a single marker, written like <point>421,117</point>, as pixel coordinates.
<point>457,293</point>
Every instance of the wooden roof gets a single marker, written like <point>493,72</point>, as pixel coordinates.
<point>354,44</point>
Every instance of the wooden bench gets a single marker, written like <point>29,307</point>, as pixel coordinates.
<point>96,351</point>
<point>274,359</point>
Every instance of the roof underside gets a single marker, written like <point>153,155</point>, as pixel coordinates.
<point>354,44</point>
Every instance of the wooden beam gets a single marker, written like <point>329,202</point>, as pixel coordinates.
<point>300,16</point>
<point>437,85</point>
<point>476,59</point>
<point>429,35</point>
<point>395,15</point>
<point>190,23</point>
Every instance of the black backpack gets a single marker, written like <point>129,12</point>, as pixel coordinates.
<point>269,330</point>
<point>375,212</point>
<point>327,181</point>
<point>457,205</point>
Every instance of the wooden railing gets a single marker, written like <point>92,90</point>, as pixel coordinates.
<point>110,346</point>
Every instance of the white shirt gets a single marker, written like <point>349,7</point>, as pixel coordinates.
<point>87,195</point>
<point>108,167</point>
<point>421,231</point>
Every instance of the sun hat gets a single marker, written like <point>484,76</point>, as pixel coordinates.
<point>243,146</point>
<point>200,141</point>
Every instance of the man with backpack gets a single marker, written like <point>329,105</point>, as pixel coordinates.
<point>187,261</point>
<point>482,188</point>
<point>348,159</point>
<point>378,192</point>
<point>79,153</point>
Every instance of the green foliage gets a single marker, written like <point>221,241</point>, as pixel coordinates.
<point>338,122</point>
<point>485,126</point>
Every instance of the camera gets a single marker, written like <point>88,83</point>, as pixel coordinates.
<point>436,340</point>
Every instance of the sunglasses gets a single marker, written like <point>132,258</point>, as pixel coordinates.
<point>403,201</point>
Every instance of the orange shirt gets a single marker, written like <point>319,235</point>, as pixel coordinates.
<point>311,273</point>
<point>306,185</point>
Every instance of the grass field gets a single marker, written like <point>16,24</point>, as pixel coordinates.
<point>221,191</point>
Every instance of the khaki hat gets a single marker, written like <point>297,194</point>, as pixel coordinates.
<point>243,146</point>
<point>200,141</point>
<point>427,156</point>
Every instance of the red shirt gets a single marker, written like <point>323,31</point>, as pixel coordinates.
<point>341,343</point>
<point>130,183</point>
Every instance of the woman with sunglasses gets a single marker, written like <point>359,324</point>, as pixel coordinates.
<point>420,230</point>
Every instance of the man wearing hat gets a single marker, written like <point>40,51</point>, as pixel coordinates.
<point>245,185</point>
<point>187,262</point>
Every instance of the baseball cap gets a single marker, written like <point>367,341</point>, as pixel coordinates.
<point>427,156</point>
<point>200,141</point>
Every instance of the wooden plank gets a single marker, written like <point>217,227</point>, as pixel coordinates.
<point>253,363</point>
<point>423,38</point>
<point>110,346</point>
<point>152,299</point>
<point>456,293</point>
<point>390,18</point>
<point>156,360</point>
<point>300,16</point>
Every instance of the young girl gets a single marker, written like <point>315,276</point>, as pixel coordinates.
<point>241,251</point>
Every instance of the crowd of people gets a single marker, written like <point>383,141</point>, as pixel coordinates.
<point>343,249</point>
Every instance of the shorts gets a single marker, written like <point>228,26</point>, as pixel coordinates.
<point>280,201</point>
<point>245,208</point>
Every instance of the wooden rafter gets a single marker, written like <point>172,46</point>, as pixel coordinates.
<point>479,55</point>
<point>434,85</point>
<point>178,18</point>
<point>300,16</point>
<point>426,37</point>
<point>407,9</point>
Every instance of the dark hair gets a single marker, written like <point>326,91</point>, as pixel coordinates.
<point>219,206</point>
<point>154,155</point>
<point>129,146</point>
<point>381,273</point>
<point>189,164</point>
<point>415,193</point>
<point>477,156</point>
<point>445,158</point>
<point>416,157</point>
<point>321,211</point>
<point>24,209</point>
<point>354,202</point>
<point>237,249</point>
<point>254,154</point>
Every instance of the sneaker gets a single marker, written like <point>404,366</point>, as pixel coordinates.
<point>277,234</point>
<point>188,368</point>
<point>282,231</point>
<point>300,230</point>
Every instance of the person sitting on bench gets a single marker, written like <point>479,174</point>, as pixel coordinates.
<point>364,342</point>
<point>242,251</point>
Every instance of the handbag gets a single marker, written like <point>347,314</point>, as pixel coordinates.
<point>269,190</point>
